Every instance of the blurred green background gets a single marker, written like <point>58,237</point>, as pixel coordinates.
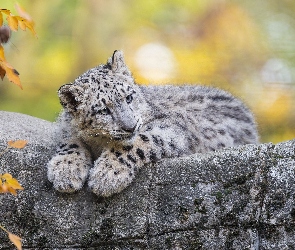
<point>243,46</point>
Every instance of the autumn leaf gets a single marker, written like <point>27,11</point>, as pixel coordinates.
<point>5,11</point>
<point>11,182</point>
<point>1,19</point>
<point>12,22</point>
<point>13,76</point>
<point>22,24</point>
<point>30,26</point>
<point>17,144</point>
<point>3,187</point>
<point>11,73</point>
<point>22,12</point>
<point>14,144</point>
<point>25,20</point>
<point>15,240</point>
<point>2,57</point>
<point>2,72</point>
<point>8,70</point>
<point>8,184</point>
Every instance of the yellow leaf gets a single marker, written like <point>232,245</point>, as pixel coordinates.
<point>5,11</point>
<point>12,22</point>
<point>9,184</point>
<point>2,57</point>
<point>6,176</point>
<point>12,76</point>
<point>1,19</point>
<point>2,72</point>
<point>25,20</point>
<point>17,144</point>
<point>30,26</point>
<point>11,73</point>
<point>3,188</point>
<point>15,240</point>
<point>13,183</point>
<point>12,191</point>
<point>22,12</point>
<point>22,25</point>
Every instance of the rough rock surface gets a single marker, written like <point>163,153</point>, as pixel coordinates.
<point>240,198</point>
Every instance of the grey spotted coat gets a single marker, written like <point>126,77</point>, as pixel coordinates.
<point>110,127</point>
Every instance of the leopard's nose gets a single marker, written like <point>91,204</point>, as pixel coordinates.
<point>128,129</point>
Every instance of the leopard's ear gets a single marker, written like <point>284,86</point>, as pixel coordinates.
<point>70,96</point>
<point>118,64</point>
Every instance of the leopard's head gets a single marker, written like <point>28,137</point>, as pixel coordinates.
<point>104,101</point>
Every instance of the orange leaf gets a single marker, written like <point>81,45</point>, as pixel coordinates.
<point>11,73</point>
<point>22,12</point>
<point>15,240</point>
<point>4,188</point>
<point>13,183</point>
<point>5,11</point>
<point>1,19</point>
<point>2,72</point>
<point>12,76</point>
<point>9,184</point>
<point>17,144</point>
<point>26,20</point>
<point>12,22</point>
<point>6,176</point>
<point>12,191</point>
<point>22,25</point>
<point>2,57</point>
<point>30,26</point>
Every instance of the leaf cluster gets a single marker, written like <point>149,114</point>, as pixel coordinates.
<point>8,184</point>
<point>22,21</point>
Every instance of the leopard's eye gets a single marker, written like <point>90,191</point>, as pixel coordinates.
<point>129,99</point>
<point>105,111</point>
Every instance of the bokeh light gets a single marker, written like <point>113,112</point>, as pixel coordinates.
<point>245,47</point>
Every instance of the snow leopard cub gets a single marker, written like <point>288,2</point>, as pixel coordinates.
<point>110,127</point>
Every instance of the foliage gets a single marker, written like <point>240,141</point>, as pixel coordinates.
<point>23,21</point>
<point>222,43</point>
<point>13,238</point>
<point>8,184</point>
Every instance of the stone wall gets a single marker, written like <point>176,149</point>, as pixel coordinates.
<point>240,198</point>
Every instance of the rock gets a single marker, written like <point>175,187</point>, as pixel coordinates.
<point>239,198</point>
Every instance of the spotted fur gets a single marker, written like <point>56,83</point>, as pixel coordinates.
<point>110,127</point>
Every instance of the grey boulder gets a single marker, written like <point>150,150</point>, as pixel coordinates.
<point>239,198</point>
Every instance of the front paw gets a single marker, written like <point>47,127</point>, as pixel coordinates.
<point>67,172</point>
<point>107,178</point>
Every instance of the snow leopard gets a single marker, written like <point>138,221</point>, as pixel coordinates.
<point>110,127</point>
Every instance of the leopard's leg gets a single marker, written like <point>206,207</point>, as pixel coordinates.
<point>68,168</point>
<point>111,174</point>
